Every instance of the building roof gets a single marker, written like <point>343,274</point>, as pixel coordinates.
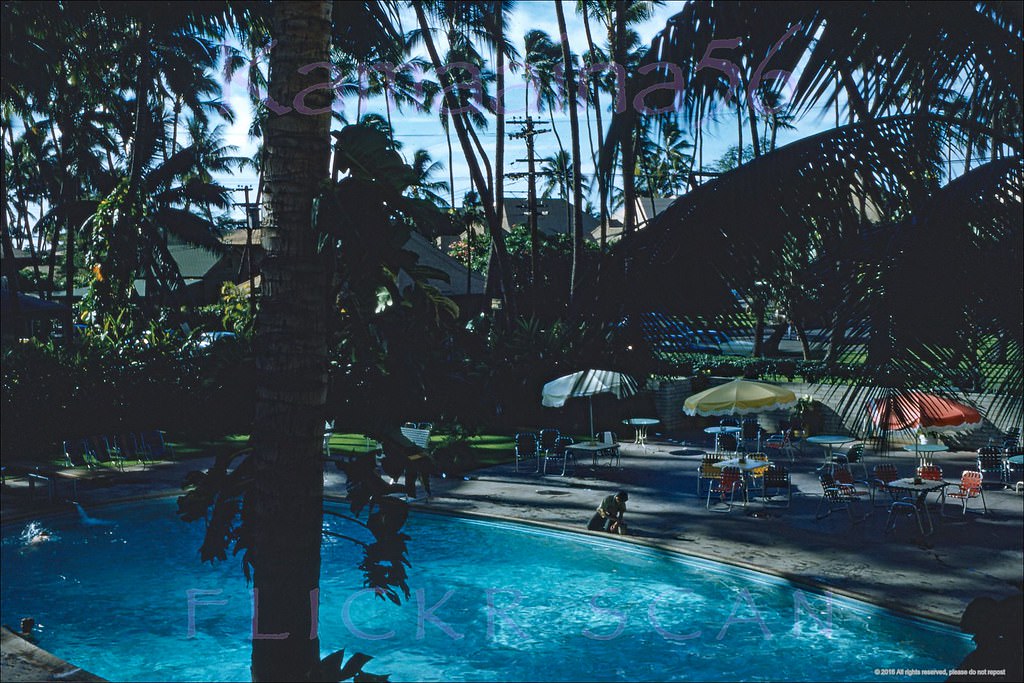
<point>552,220</point>
<point>193,262</point>
<point>646,209</point>
<point>431,256</point>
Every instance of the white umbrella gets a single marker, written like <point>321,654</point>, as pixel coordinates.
<point>587,383</point>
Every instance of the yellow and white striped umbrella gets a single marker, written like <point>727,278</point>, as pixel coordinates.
<point>739,397</point>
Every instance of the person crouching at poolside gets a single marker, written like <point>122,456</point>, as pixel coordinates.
<point>609,514</point>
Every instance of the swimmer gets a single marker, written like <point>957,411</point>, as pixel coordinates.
<point>35,533</point>
<point>25,628</point>
<point>41,537</point>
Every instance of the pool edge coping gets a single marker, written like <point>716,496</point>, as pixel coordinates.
<point>27,652</point>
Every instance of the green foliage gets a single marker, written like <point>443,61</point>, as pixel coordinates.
<point>123,375</point>
<point>231,313</point>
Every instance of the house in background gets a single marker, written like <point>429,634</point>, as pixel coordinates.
<point>647,209</point>
<point>554,217</point>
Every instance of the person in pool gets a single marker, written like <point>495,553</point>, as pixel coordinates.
<point>26,626</point>
<point>609,514</point>
<point>41,537</point>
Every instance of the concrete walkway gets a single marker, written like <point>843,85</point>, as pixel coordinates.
<point>934,576</point>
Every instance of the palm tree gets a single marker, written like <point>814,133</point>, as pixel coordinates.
<point>557,173</point>
<point>423,187</point>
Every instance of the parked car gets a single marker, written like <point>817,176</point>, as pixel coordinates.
<point>726,344</point>
<point>687,343</point>
<point>205,340</point>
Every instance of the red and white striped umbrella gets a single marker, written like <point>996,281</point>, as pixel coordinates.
<point>920,410</point>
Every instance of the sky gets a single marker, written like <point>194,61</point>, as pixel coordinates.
<point>417,130</point>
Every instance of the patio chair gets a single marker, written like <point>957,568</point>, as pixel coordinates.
<point>328,433</point>
<point>933,473</point>
<point>526,449</point>
<point>727,443</point>
<point>844,476</point>
<point>854,456</point>
<point>906,507</point>
<point>783,443</point>
<point>1011,439</point>
<point>970,487</point>
<point>560,453</point>
<point>707,471</point>
<point>730,482</point>
<point>992,465</point>
<point>776,479</point>
<point>548,440</point>
<point>756,476</point>
<point>882,475</point>
<point>837,496</point>
<point>1015,472</point>
<point>751,434</point>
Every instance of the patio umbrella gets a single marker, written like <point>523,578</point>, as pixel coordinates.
<point>739,397</point>
<point>586,383</point>
<point>922,410</point>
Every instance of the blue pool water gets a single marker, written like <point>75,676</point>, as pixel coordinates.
<point>491,601</point>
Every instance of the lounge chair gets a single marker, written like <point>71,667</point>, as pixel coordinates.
<point>154,445</point>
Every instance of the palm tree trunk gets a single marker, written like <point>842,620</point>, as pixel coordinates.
<point>752,122</point>
<point>283,509</point>
<point>602,186</point>
<point>451,159</point>
<point>759,311</point>
<point>801,334</point>
<point>574,128</point>
<point>499,126</point>
<point>628,156</point>
<point>739,133</point>
<point>500,251</point>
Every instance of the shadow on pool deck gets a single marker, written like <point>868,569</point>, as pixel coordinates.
<point>935,576</point>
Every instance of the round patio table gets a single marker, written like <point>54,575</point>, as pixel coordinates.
<point>640,424</point>
<point>922,449</point>
<point>828,441</point>
<point>718,431</point>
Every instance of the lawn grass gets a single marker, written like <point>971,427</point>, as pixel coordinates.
<point>484,450</point>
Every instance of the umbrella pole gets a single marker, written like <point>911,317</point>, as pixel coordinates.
<point>590,402</point>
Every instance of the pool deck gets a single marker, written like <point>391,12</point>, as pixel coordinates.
<point>935,576</point>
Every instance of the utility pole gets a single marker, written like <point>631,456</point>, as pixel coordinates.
<point>247,255</point>
<point>527,132</point>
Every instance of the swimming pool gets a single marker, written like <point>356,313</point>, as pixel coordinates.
<point>491,601</point>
